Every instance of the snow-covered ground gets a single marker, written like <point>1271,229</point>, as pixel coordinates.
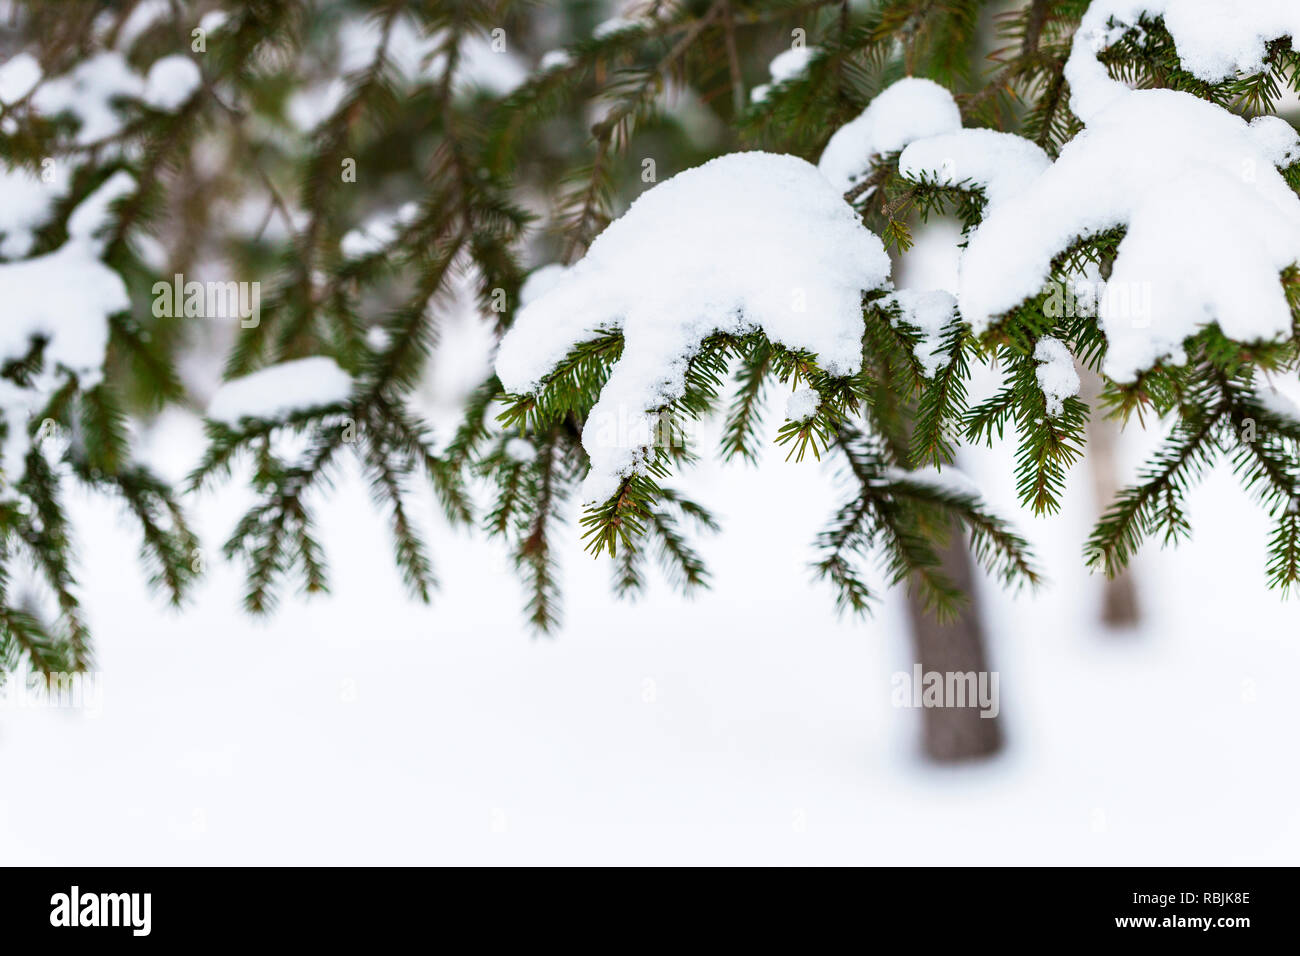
<point>747,726</point>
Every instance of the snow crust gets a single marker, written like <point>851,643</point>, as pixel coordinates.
<point>278,391</point>
<point>746,241</point>
<point>906,111</point>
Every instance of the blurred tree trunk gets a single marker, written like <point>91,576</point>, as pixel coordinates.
<point>1119,604</point>
<point>954,734</point>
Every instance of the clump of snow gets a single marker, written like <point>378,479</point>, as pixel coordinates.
<point>786,65</point>
<point>540,281</point>
<point>520,450</point>
<point>931,312</point>
<point>29,204</point>
<point>65,297</point>
<point>948,480</point>
<point>171,82</point>
<point>746,241</point>
<point>378,232</point>
<point>1215,39</point>
<point>554,60</point>
<point>88,92</point>
<point>1000,164</point>
<point>802,404</point>
<point>278,391</point>
<point>607,28</point>
<point>1210,225</point>
<point>1056,375</point>
<point>213,20</point>
<point>18,75</point>
<point>906,111</point>
<point>142,18</point>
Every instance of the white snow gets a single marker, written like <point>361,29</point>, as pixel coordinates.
<point>786,65</point>
<point>908,110</point>
<point>66,297</point>
<point>213,20</point>
<point>802,404</point>
<point>28,204</point>
<point>143,16</point>
<point>378,232</point>
<point>1001,164</point>
<point>88,92</point>
<point>554,60</point>
<point>520,450</point>
<point>931,312</point>
<point>607,28</point>
<point>1210,224</point>
<point>171,82</point>
<point>18,75</point>
<point>540,281</point>
<point>1215,40</point>
<point>278,391</point>
<point>746,241</point>
<point>1056,375</point>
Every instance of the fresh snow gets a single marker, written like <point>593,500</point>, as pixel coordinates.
<point>171,82</point>
<point>802,404</point>
<point>746,241</point>
<point>540,281</point>
<point>1215,39</point>
<point>1281,405</point>
<point>1000,164</point>
<point>1210,225</point>
<point>378,232</point>
<point>1056,375</point>
<point>65,297</point>
<point>930,312</point>
<point>276,392</point>
<point>786,65</point>
<point>18,76</point>
<point>906,111</point>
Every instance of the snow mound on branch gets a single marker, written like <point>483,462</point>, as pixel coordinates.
<point>786,65</point>
<point>802,404</point>
<point>278,391</point>
<point>1056,375</point>
<point>931,312</point>
<point>746,241</point>
<point>1216,39</point>
<point>540,281</point>
<point>906,111</point>
<point>18,76</point>
<point>998,163</point>
<point>1210,225</point>
<point>171,82</point>
<point>66,298</point>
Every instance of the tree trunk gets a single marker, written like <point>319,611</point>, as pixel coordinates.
<point>1119,601</point>
<point>953,734</point>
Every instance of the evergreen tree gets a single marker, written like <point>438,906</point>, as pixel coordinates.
<point>367,162</point>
